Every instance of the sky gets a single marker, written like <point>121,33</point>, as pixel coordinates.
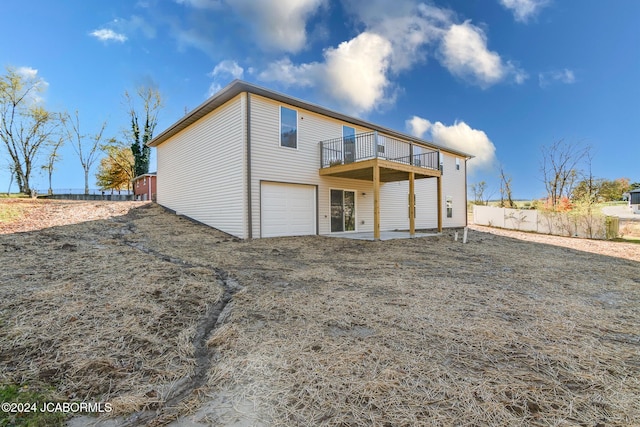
<point>498,79</point>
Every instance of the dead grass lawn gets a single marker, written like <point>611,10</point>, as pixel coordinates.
<point>325,331</point>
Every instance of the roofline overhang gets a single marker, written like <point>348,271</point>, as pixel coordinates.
<point>144,175</point>
<point>237,87</point>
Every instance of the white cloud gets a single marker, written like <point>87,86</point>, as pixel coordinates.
<point>354,74</point>
<point>356,71</point>
<point>107,35</point>
<point>409,27</point>
<point>565,76</point>
<point>524,9</point>
<point>27,72</point>
<point>228,67</point>
<point>359,73</point>
<point>224,72</point>
<point>286,72</point>
<point>465,54</point>
<point>31,75</point>
<point>118,29</point>
<point>279,25</point>
<point>459,136</point>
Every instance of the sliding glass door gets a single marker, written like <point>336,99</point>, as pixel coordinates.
<point>343,210</point>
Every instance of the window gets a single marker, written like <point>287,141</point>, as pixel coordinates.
<point>449,207</point>
<point>457,164</point>
<point>288,127</point>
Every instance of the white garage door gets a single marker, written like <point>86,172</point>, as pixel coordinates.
<point>287,209</point>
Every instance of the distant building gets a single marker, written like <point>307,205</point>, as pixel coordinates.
<point>144,187</point>
<point>634,200</point>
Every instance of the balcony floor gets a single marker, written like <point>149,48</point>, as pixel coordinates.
<point>389,170</point>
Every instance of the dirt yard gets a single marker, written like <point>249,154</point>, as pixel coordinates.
<point>176,323</point>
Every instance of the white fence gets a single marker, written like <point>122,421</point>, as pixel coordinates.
<point>592,225</point>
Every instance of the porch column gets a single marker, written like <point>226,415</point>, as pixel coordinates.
<point>376,202</point>
<point>439,203</point>
<point>412,207</point>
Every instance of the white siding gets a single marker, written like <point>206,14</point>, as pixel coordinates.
<point>271,162</point>
<point>454,185</point>
<point>394,204</point>
<point>201,170</point>
<point>394,196</point>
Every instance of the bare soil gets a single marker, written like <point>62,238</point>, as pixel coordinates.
<point>170,320</point>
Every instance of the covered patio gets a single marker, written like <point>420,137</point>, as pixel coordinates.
<point>379,158</point>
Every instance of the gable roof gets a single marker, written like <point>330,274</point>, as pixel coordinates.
<point>238,86</point>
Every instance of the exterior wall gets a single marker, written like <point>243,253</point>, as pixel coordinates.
<point>271,162</point>
<point>201,170</point>
<point>454,185</point>
<point>394,203</point>
<point>141,187</point>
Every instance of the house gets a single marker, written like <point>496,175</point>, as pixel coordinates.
<point>257,163</point>
<point>144,186</point>
<point>634,200</point>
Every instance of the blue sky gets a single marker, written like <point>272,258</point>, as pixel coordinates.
<point>496,78</point>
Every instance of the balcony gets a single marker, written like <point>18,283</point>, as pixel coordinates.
<point>354,157</point>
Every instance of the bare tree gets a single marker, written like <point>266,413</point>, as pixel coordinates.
<point>25,126</point>
<point>478,190</point>
<point>87,152</point>
<point>505,190</point>
<point>52,158</point>
<point>560,167</point>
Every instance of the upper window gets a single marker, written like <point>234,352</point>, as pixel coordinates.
<point>457,164</point>
<point>288,127</point>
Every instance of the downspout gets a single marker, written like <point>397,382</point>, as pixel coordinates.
<point>248,148</point>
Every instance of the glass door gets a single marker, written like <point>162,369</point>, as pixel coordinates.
<point>343,210</point>
<point>349,144</point>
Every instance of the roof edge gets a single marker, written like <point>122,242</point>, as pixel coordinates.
<point>239,86</point>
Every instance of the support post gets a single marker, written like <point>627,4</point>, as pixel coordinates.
<point>376,202</point>
<point>412,205</point>
<point>439,203</point>
<point>375,143</point>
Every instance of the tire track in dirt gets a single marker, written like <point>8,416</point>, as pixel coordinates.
<point>184,388</point>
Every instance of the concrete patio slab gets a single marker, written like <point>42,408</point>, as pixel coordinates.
<point>384,235</point>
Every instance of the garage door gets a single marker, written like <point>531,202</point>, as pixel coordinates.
<point>287,209</point>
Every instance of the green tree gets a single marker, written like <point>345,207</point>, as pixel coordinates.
<point>86,146</point>
<point>612,190</point>
<point>116,169</point>
<point>25,125</point>
<point>151,105</point>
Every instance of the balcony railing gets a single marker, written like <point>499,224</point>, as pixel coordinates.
<point>365,146</point>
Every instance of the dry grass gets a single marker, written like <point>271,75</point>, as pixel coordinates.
<point>327,331</point>
<point>96,318</point>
